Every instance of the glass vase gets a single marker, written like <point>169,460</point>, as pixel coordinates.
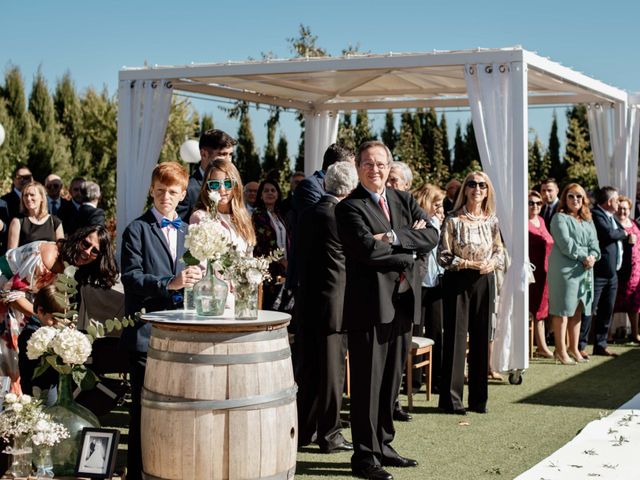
<point>189,303</point>
<point>21,454</point>
<point>43,462</point>
<point>246,305</point>
<point>74,417</point>
<point>210,293</point>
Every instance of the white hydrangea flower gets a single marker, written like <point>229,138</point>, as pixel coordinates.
<point>16,407</point>
<point>207,240</point>
<point>40,341</point>
<point>10,398</point>
<point>25,399</point>
<point>72,346</point>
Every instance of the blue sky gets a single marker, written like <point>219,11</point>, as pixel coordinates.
<point>94,40</point>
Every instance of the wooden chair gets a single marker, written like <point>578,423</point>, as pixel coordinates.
<point>419,346</point>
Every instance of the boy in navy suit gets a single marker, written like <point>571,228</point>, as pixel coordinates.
<point>153,277</point>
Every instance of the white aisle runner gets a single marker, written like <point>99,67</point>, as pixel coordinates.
<point>605,449</point>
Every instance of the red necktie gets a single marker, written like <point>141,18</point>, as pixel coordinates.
<point>385,209</point>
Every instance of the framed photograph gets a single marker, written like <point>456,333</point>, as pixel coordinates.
<point>97,457</point>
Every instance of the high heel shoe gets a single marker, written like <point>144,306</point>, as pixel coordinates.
<point>578,359</point>
<point>541,354</point>
<point>561,360</point>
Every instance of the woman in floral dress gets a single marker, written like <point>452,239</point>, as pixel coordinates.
<point>27,269</point>
<point>628,299</point>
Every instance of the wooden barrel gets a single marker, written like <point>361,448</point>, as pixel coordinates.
<point>219,402</point>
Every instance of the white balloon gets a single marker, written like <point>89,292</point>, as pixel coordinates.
<point>1,134</point>
<point>190,151</point>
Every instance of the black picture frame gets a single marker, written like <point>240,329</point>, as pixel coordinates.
<point>97,455</point>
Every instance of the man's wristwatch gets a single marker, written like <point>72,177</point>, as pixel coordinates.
<point>389,236</point>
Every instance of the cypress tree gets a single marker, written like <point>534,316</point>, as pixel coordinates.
<point>269,163</point>
<point>439,169</point>
<point>578,156</point>
<point>471,145</point>
<point>556,167</point>
<point>446,153</point>
<point>247,159</point>
<point>460,159</point>
<point>66,105</point>
<point>183,124</point>
<point>299,167</point>
<point>48,150</point>
<point>536,166</point>
<point>362,131</point>
<point>389,134</point>
<point>346,132</point>
<point>409,150</point>
<point>18,132</point>
<point>283,164</point>
<point>205,124</point>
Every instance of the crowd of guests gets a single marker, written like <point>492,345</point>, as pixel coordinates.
<point>586,268</point>
<point>366,263</point>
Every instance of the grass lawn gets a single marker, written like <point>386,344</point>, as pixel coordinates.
<point>525,423</point>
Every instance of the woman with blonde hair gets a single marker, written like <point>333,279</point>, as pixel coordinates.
<point>470,251</point>
<point>37,223</point>
<point>223,177</point>
<point>575,251</point>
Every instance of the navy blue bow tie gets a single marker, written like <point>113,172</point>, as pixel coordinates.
<point>177,223</point>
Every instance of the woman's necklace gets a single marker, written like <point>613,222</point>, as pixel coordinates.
<point>471,216</point>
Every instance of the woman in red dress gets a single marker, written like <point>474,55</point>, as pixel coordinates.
<point>628,299</point>
<point>540,243</point>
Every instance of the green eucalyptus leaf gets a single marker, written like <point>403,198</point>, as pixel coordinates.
<point>40,369</point>
<point>109,324</point>
<point>117,324</point>
<point>89,380</point>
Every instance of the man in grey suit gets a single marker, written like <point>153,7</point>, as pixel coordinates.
<point>382,231</point>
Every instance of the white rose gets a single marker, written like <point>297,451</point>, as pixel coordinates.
<point>72,346</point>
<point>10,398</point>
<point>25,399</point>
<point>214,196</point>
<point>17,407</point>
<point>39,342</point>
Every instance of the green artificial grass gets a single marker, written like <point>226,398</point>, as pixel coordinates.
<point>525,423</point>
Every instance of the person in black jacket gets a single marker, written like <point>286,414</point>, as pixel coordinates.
<point>321,294</point>
<point>382,232</point>
<point>605,282</point>
<point>89,213</point>
<point>21,176</point>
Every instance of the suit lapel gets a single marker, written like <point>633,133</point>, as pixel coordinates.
<point>395,207</point>
<point>157,232</point>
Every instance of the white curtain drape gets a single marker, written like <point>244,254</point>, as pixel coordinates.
<point>603,129</point>
<point>626,154</point>
<point>320,131</point>
<point>498,100</point>
<point>143,113</point>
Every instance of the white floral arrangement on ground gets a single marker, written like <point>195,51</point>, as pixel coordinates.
<point>23,416</point>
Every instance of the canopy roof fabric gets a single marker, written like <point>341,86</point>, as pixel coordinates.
<point>395,80</point>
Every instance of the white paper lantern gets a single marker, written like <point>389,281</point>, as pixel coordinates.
<point>1,134</point>
<point>190,151</point>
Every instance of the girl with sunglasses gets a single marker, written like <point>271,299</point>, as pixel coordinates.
<point>540,243</point>
<point>575,251</point>
<point>25,270</point>
<point>470,251</point>
<point>222,177</point>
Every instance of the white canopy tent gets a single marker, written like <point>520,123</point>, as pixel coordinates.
<point>497,84</point>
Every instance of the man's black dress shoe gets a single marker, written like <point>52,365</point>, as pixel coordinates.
<point>341,447</point>
<point>372,472</point>
<point>402,416</point>
<point>398,461</point>
<point>455,411</point>
<point>605,352</point>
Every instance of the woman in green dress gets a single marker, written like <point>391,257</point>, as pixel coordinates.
<point>571,270</point>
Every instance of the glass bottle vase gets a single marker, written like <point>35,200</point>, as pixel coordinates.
<point>43,462</point>
<point>74,417</point>
<point>21,454</point>
<point>246,305</point>
<point>210,293</point>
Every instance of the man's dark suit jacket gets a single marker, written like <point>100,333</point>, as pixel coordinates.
<point>68,213</point>
<point>147,268</point>
<point>4,216</point>
<point>608,237</point>
<point>186,206</point>
<point>322,270</point>
<point>13,203</point>
<point>88,215</point>
<point>305,196</point>
<point>374,266</point>
<point>543,213</point>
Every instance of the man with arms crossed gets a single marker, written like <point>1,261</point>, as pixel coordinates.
<point>382,230</point>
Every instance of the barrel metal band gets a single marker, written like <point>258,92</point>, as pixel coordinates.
<point>168,402</point>
<point>278,476</point>
<point>222,337</point>
<point>231,359</point>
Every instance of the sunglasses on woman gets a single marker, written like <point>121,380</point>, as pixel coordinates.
<point>228,184</point>
<point>574,196</point>
<point>86,245</point>
<point>474,184</point>
<point>533,203</point>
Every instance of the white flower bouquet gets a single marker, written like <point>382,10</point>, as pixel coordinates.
<point>23,416</point>
<point>239,267</point>
<point>207,240</point>
<point>63,349</point>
